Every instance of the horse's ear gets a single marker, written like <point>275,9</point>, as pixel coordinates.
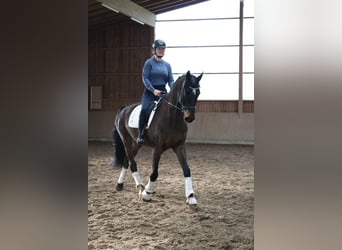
<point>188,75</point>
<point>199,77</point>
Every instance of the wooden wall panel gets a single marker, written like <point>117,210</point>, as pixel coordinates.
<point>248,106</point>
<point>116,55</point>
<point>217,106</point>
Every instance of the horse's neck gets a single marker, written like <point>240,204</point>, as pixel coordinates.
<point>173,94</point>
<point>169,115</point>
<point>169,107</point>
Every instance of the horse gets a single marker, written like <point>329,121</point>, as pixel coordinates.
<point>168,129</point>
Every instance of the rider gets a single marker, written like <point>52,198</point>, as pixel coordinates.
<point>155,74</point>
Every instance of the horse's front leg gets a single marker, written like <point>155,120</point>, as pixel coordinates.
<point>149,188</point>
<point>189,192</point>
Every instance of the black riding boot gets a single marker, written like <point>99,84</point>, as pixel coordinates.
<point>141,129</point>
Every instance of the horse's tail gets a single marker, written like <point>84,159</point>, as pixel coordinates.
<point>119,152</point>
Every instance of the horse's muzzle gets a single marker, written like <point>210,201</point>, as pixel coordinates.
<point>189,116</point>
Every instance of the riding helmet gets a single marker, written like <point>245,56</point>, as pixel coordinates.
<point>158,44</point>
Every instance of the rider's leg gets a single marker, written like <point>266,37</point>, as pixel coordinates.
<point>142,125</point>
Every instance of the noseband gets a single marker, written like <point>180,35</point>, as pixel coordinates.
<point>180,96</point>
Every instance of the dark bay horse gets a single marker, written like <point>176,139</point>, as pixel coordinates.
<point>168,129</point>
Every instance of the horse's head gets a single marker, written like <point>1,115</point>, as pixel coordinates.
<point>188,96</point>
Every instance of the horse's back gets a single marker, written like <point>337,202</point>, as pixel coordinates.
<point>122,117</point>
<point>125,111</point>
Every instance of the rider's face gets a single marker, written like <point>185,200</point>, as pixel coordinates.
<point>160,51</point>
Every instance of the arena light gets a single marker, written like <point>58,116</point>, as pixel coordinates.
<point>136,20</point>
<point>109,7</point>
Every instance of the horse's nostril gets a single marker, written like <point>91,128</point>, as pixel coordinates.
<point>188,119</point>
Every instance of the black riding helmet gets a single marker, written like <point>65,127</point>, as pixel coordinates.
<point>158,44</point>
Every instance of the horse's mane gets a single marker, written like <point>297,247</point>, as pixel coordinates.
<point>179,82</point>
<point>177,86</point>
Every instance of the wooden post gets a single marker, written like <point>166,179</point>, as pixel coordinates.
<point>240,107</point>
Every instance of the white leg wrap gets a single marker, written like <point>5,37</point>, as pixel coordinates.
<point>137,179</point>
<point>122,175</point>
<point>188,186</point>
<point>150,186</point>
<point>188,191</point>
<point>147,193</point>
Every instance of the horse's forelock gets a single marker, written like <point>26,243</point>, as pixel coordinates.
<point>191,81</point>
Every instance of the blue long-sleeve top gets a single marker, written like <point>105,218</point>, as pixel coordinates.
<point>157,73</point>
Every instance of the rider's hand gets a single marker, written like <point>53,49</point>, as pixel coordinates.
<point>157,92</point>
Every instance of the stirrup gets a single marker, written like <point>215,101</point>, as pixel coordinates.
<point>140,140</point>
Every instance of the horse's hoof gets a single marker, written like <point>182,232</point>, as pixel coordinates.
<point>119,186</point>
<point>146,196</point>
<point>191,200</point>
<point>193,207</point>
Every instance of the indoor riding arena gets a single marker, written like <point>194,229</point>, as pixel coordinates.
<point>219,145</point>
<point>223,181</point>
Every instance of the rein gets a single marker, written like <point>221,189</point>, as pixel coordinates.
<point>174,106</point>
<point>178,98</point>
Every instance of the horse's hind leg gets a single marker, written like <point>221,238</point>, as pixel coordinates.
<point>149,189</point>
<point>189,192</point>
<point>125,153</point>
<point>132,150</point>
<point>121,180</point>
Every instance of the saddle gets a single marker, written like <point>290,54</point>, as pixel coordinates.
<point>133,120</point>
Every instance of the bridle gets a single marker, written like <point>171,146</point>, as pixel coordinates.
<point>180,102</point>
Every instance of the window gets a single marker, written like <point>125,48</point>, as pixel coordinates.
<point>205,38</point>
